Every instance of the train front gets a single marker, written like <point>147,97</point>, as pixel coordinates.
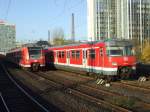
<point>36,58</point>
<point>120,56</point>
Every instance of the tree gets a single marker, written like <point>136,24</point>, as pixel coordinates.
<point>58,36</point>
<point>58,33</point>
<point>58,41</point>
<point>145,55</point>
<point>42,43</point>
<point>137,48</point>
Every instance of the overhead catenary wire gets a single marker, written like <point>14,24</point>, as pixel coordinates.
<point>73,9</point>
<point>7,10</point>
<point>60,13</point>
<point>76,5</point>
<point>55,2</point>
<point>55,20</point>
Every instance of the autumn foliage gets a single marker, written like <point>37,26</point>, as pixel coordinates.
<point>145,54</point>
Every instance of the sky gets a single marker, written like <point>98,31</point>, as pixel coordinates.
<point>33,18</point>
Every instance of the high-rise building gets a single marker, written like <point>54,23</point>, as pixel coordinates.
<point>101,19</point>
<point>127,19</point>
<point>7,36</point>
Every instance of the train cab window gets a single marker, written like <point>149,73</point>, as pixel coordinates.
<point>92,53</point>
<point>34,52</point>
<point>77,54</point>
<point>115,51</point>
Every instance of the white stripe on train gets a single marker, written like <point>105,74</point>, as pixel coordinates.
<point>23,65</point>
<point>88,67</point>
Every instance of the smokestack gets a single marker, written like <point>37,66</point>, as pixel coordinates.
<point>49,36</point>
<point>72,28</point>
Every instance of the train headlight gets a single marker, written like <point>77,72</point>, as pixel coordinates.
<point>114,63</point>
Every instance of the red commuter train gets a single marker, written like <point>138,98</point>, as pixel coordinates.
<point>27,57</point>
<point>108,58</point>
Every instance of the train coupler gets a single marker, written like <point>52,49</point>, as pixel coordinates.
<point>35,67</point>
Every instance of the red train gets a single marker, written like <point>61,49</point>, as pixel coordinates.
<point>109,57</point>
<point>27,57</point>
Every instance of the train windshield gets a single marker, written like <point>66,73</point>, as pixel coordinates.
<point>115,51</point>
<point>120,51</point>
<point>34,52</point>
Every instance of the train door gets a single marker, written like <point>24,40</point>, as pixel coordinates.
<point>68,57</point>
<point>56,57</point>
<point>92,59</point>
<point>84,61</point>
<point>101,59</point>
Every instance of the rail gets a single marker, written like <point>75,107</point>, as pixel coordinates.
<point>5,105</point>
<point>22,90</point>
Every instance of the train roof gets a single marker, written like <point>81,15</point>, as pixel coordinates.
<point>109,42</point>
<point>118,42</point>
<point>19,48</point>
<point>77,44</point>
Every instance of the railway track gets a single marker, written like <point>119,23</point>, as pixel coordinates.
<point>133,86</point>
<point>13,98</point>
<point>87,92</point>
<point>3,106</point>
<point>138,86</point>
<point>80,94</point>
<point>104,94</point>
<point>122,83</point>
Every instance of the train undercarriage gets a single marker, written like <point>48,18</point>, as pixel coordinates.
<point>35,67</point>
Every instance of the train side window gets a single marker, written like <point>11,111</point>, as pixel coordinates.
<point>92,53</point>
<point>62,54</point>
<point>73,54</point>
<point>101,51</point>
<point>59,54</point>
<point>77,54</point>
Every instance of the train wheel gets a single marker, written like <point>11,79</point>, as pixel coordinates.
<point>124,76</point>
<point>125,72</point>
